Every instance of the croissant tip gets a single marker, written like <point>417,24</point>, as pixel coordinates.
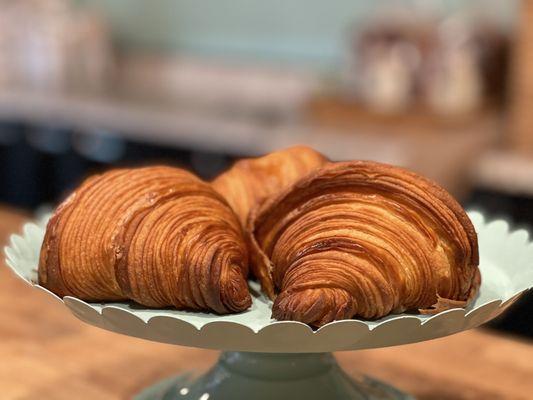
<point>315,307</point>
<point>235,294</point>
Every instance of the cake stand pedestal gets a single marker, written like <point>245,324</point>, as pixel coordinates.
<point>265,376</point>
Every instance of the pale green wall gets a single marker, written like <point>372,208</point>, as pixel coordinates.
<point>302,31</point>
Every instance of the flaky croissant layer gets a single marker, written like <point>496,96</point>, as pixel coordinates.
<point>157,235</point>
<point>363,239</point>
<point>250,181</point>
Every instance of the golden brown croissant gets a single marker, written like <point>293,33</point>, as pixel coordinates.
<point>250,181</point>
<point>158,235</point>
<point>363,239</point>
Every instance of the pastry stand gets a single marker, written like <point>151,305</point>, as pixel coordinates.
<point>266,359</point>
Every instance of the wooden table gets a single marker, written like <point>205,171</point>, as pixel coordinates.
<point>45,353</point>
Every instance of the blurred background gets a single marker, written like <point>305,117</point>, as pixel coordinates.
<point>442,87</point>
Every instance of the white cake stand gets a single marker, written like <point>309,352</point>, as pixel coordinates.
<point>266,359</point>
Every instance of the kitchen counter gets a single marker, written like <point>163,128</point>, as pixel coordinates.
<point>46,353</point>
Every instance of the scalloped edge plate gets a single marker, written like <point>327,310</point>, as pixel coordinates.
<point>505,264</point>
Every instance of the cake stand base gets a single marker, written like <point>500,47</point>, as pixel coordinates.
<point>266,376</point>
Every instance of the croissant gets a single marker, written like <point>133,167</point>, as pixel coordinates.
<point>158,236</point>
<point>362,239</point>
<point>250,181</point>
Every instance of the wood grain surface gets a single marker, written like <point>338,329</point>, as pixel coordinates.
<point>45,353</point>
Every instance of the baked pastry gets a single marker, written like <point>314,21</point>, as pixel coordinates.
<point>250,181</point>
<point>158,236</point>
<point>362,239</point>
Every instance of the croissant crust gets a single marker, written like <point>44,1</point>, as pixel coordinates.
<point>158,235</point>
<point>250,181</point>
<point>363,239</point>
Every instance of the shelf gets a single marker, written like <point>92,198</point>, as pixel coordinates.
<point>442,154</point>
<point>505,171</point>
